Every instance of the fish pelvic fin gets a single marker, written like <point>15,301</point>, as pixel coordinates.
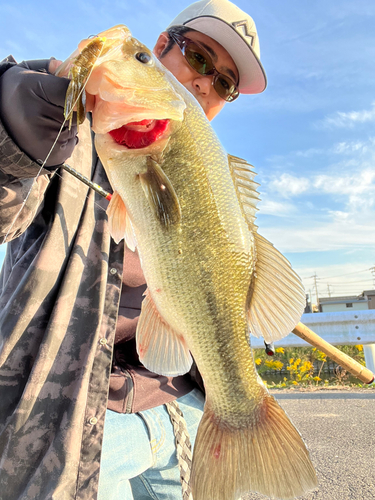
<point>161,349</point>
<point>269,456</point>
<point>160,194</point>
<point>120,225</point>
<point>276,299</point>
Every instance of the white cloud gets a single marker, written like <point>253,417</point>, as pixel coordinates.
<point>288,185</point>
<point>278,209</point>
<point>350,147</point>
<point>313,237</point>
<point>350,119</point>
<point>357,188</point>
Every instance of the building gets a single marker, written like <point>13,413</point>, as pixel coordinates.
<point>364,301</point>
<point>370,295</point>
<point>349,303</point>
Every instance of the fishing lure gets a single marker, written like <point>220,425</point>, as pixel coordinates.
<point>79,73</point>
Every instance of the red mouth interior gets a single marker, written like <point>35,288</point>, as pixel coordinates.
<point>136,135</point>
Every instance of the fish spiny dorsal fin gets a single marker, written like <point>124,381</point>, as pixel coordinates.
<point>243,178</point>
<point>161,349</point>
<point>160,194</point>
<point>277,299</point>
<point>119,222</point>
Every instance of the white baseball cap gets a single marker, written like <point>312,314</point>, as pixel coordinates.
<point>235,31</point>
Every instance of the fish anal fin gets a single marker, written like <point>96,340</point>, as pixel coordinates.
<point>277,298</point>
<point>268,456</point>
<point>161,349</point>
<point>160,194</point>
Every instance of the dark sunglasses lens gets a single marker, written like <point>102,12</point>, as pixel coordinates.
<point>225,88</point>
<point>198,59</point>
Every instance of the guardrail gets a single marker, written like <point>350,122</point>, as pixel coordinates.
<point>337,328</point>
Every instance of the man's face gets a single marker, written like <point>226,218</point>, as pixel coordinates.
<point>199,85</point>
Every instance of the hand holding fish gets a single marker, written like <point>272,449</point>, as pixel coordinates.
<point>29,93</point>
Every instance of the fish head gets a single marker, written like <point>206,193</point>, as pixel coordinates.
<point>136,100</point>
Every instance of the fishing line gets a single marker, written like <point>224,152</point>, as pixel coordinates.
<point>86,197</point>
<point>52,147</point>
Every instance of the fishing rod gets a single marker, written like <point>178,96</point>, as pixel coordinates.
<point>98,189</point>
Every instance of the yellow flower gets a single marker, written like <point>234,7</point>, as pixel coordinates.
<point>359,347</point>
<point>258,361</point>
<point>318,379</point>
<point>291,361</point>
<point>278,365</point>
<point>294,382</point>
<point>280,349</point>
<point>283,384</point>
<point>298,361</point>
<point>314,349</point>
<point>285,379</point>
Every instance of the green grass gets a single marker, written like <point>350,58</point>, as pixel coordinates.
<point>306,367</point>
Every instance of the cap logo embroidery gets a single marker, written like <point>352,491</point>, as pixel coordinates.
<point>241,26</point>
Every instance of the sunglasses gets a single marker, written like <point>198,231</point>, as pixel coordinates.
<point>201,61</point>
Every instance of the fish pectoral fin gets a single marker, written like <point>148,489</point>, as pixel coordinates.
<point>277,298</point>
<point>268,455</point>
<point>160,194</point>
<point>120,225</point>
<point>161,349</point>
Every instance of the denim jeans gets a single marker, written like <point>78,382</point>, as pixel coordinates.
<point>139,459</point>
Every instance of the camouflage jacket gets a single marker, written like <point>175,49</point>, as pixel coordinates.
<point>59,293</point>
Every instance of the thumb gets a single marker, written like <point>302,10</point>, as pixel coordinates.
<point>53,65</point>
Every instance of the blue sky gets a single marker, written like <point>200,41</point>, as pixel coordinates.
<point>310,135</point>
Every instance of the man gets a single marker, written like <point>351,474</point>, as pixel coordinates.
<point>71,297</point>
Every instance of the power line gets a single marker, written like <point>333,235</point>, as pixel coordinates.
<point>339,275</point>
<point>334,284</point>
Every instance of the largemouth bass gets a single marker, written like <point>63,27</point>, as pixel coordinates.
<point>190,211</point>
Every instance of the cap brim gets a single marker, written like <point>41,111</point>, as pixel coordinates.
<point>252,75</point>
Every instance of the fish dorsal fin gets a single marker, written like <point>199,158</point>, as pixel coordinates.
<point>160,194</point>
<point>277,298</point>
<point>243,178</point>
<point>160,348</point>
<point>120,225</point>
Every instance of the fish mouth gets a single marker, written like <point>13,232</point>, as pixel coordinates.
<point>141,134</point>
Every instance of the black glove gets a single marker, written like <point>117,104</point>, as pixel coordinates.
<point>32,111</point>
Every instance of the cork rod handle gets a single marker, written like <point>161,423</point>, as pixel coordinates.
<point>356,369</point>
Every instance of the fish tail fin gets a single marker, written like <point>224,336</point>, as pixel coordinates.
<point>267,456</point>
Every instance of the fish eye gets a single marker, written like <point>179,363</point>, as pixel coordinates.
<point>143,57</point>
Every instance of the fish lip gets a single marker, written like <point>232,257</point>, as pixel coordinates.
<point>161,140</point>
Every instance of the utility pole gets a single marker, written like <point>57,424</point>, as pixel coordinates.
<point>372,269</point>
<point>329,291</point>
<point>316,290</point>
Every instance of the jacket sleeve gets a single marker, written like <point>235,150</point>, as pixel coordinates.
<point>17,184</point>
<point>31,117</point>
